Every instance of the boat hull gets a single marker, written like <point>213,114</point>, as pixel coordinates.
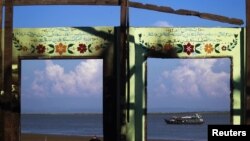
<point>194,119</point>
<point>183,122</point>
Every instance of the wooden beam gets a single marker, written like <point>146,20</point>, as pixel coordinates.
<point>11,119</point>
<point>8,31</point>
<point>208,16</point>
<point>248,61</point>
<point>1,52</point>
<point>64,2</point>
<point>1,76</point>
<point>164,9</point>
<point>122,53</point>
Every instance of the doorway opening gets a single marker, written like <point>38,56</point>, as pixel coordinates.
<point>61,98</point>
<point>177,89</point>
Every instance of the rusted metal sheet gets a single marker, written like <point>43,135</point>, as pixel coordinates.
<point>65,2</point>
<point>248,61</point>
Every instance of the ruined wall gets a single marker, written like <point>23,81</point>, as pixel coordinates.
<point>60,43</point>
<point>188,43</point>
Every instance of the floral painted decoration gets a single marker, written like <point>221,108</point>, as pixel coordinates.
<point>168,46</point>
<point>82,48</point>
<point>208,48</point>
<point>68,43</point>
<point>189,47</point>
<point>40,49</point>
<point>59,48</point>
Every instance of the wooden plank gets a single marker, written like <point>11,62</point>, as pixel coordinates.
<point>11,119</point>
<point>207,16</point>
<point>248,61</point>
<point>64,2</point>
<point>1,53</point>
<point>152,7</point>
<point>248,110</point>
<point>1,76</point>
<point>122,52</point>
<point>8,29</point>
<point>164,9</point>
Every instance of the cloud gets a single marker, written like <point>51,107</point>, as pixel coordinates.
<point>163,24</point>
<point>195,78</point>
<point>84,79</point>
<point>38,83</point>
<point>90,73</point>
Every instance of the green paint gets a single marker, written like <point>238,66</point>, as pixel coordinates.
<point>93,41</point>
<point>189,43</point>
<point>63,41</point>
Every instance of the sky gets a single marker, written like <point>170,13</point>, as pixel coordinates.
<point>57,16</point>
<point>55,86</point>
<point>58,86</point>
<point>188,85</point>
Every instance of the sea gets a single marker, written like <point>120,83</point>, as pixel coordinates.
<point>91,124</point>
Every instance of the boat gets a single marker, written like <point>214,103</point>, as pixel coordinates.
<point>193,119</point>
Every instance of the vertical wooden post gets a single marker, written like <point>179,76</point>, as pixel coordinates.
<point>8,29</point>
<point>122,53</point>
<point>1,52</point>
<point>1,74</point>
<point>11,118</point>
<point>248,61</point>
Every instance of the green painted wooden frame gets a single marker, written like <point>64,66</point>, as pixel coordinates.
<point>187,43</point>
<point>99,42</point>
<point>71,43</point>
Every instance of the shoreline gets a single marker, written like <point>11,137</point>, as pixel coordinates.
<point>51,137</point>
<point>54,137</point>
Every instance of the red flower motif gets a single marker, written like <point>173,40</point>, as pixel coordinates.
<point>40,49</point>
<point>188,48</point>
<point>82,48</point>
<point>167,47</point>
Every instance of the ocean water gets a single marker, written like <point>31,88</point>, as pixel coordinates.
<point>158,129</point>
<point>91,124</point>
<point>62,124</point>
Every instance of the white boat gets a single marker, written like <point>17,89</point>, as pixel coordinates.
<point>194,119</point>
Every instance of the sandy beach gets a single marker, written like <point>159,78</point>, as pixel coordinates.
<point>43,137</point>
